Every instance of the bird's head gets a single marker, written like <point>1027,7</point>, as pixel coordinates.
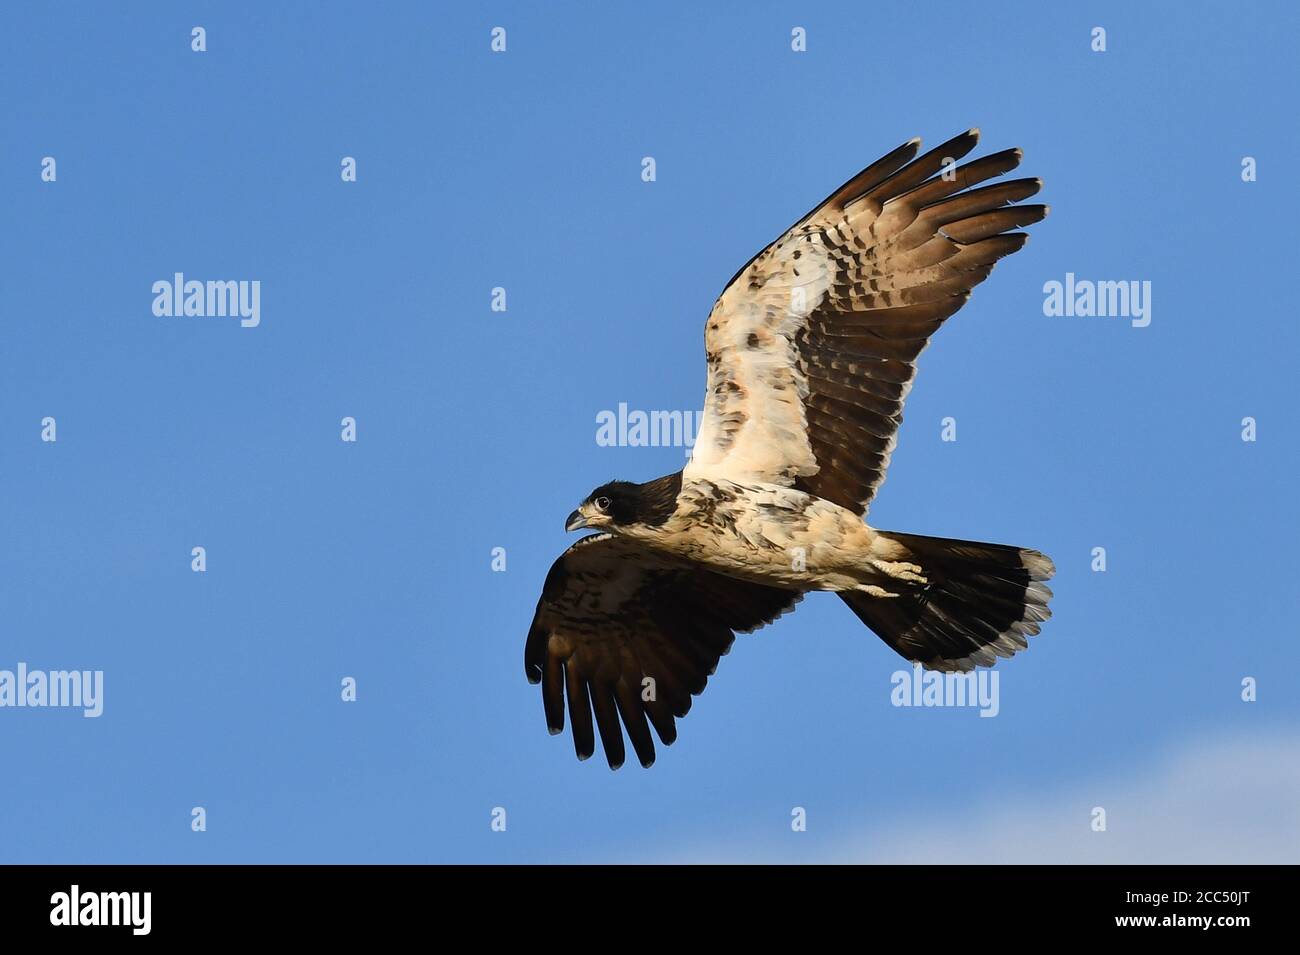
<point>620,504</point>
<point>607,507</point>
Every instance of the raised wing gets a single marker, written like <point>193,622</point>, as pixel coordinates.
<point>812,346</point>
<point>612,616</point>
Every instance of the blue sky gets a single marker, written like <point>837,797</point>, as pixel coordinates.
<point>476,429</point>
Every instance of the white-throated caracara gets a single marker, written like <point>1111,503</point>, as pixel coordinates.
<point>811,350</point>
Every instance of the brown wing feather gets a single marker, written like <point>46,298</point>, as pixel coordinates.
<point>612,614</point>
<point>812,347</point>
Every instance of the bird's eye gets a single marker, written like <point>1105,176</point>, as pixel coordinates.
<point>602,503</point>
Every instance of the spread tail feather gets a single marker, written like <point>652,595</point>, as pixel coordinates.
<point>979,602</point>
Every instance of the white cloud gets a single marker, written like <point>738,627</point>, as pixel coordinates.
<point>1227,800</point>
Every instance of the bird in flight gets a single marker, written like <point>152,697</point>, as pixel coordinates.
<point>811,350</point>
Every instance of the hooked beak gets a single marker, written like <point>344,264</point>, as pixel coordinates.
<point>575,521</point>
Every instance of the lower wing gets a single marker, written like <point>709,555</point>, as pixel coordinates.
<point>622,632</point>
